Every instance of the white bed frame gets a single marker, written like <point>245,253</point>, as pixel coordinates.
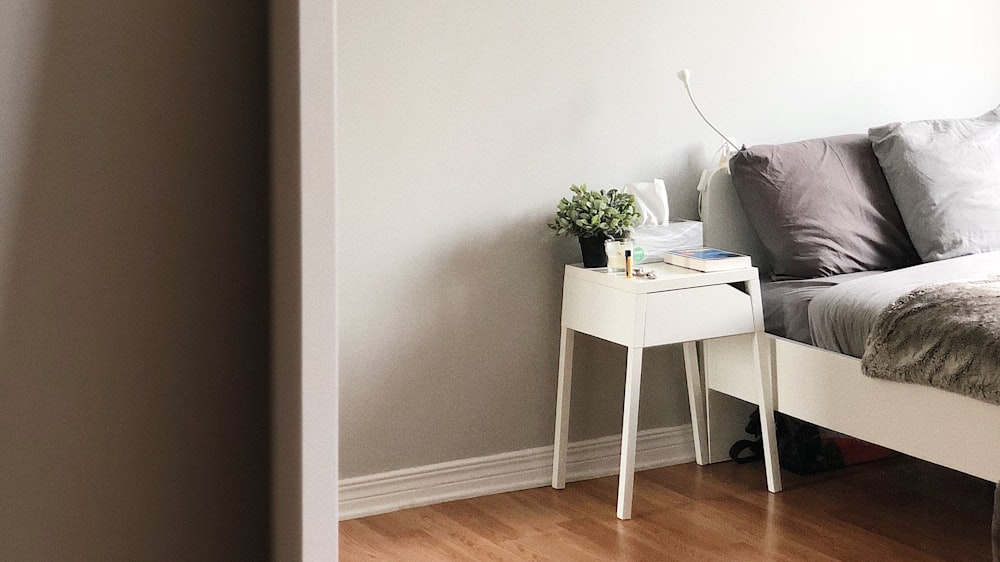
<point>829,389</point>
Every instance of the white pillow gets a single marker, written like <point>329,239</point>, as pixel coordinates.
<point>650,201</point>
<point>945,177</point>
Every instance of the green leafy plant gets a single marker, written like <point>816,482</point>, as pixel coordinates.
<point>604,214</point>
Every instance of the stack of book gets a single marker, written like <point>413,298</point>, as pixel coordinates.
<point>707,259</point>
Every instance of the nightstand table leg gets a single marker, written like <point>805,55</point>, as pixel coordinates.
<point>696,397</point>
<point>630,422</point>
<point>771,466</point>
<point>562,408</point>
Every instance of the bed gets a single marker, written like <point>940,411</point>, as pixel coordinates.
<point>827,387</point>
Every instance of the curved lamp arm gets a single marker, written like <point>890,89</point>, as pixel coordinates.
<point>685,77</point>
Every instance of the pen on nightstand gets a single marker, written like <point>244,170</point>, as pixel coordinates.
<point>628,264</point>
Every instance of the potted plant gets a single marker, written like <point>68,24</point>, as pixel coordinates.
<point>593,217</point>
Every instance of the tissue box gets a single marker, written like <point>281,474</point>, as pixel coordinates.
<point>655,240</point>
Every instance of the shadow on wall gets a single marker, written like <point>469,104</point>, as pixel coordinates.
<point>466,323</point>
<point>134,281</point>
<point>470,323</point>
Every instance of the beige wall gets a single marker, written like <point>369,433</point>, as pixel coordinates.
<point>304,386</point>
<point>461,124</point>
<point>304,342</point>
<point>133,280</point>
<point>320,345</point>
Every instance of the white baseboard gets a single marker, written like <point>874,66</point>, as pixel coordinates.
<point>518,470</point>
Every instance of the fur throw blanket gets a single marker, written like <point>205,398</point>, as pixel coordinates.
<point>945,335</point>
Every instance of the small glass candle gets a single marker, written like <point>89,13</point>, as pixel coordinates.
<point>616,253</point>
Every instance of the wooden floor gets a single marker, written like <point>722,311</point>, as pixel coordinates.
<point>895,509</point>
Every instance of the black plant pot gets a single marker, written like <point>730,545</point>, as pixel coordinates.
<point>592,248</point>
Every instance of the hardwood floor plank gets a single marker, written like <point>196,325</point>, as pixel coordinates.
<point>552,546</point>
<point>475,521</point>
<point>748,527</point>
<point>523,512</point>
<point>895,509</point>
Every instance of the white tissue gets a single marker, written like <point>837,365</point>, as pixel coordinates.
<point>650,201</point>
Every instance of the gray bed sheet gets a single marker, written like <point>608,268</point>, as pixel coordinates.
<point>786,303</point>
<point>841,316</point>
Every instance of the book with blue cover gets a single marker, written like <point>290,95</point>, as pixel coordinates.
<point>707,259</point>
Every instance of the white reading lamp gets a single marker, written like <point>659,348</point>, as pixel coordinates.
<point>724,151</point>
<point>685,76</point>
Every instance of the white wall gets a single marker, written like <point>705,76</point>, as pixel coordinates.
<point>462,123</point>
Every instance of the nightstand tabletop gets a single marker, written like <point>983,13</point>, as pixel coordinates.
<point>668,277</point>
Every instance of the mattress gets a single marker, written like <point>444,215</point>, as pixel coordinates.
<point>786,303</point>
<point>841,316</point>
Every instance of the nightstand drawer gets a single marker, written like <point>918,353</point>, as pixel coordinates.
<point>696,314</point>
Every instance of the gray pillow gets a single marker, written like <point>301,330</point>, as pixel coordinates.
<point>945,176</point>
<point>821,207</point>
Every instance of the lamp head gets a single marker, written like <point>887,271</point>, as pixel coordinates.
<point>685,76</point>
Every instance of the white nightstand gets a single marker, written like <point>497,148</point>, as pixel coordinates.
<point>680,305</point>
